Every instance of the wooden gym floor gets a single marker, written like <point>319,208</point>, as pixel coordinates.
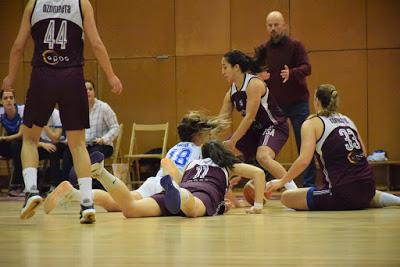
<point>277,237</point>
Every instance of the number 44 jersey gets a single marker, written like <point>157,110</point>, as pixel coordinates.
<point>57,32</point>
<point>340,153</point>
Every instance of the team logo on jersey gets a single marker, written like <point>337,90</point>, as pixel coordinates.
<point>52,58</point>
<point>355,157</point>
<point>269,131</point>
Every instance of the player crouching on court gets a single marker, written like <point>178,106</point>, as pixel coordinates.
<point>349,181</point>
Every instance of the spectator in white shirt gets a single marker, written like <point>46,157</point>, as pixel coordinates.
<point>104,128</point>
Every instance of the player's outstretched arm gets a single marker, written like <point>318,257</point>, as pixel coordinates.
<point>258,176</point>
<point>99,50</point>
<point>18,48</point>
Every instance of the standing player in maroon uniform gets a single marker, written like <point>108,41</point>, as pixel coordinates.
<point>263,130</point>
<point>349,182</point>
<point>57,28</point>
<point>201,191</point>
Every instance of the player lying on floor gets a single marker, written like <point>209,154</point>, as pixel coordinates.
<point>194,129</point>
<point>201,190</point>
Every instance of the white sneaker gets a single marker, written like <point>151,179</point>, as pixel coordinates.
<point>59,196</point>
<point>87,215</point>
<point>97,166</point>
<point>97,161</point>
<point>32,201</point>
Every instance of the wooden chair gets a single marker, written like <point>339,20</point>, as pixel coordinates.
<point>6,160</point>
<point>116,155</point>
<point>133,155</point>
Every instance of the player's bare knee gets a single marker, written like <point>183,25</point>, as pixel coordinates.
<point>129,213</point>
<point>263,158</point>
<point>190,214</point>
<point>287,198</point>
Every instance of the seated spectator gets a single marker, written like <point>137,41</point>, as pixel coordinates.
<point>103,130</point>
<point>51,148</point>
<point>11,115</point>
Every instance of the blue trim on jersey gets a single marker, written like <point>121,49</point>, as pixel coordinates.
<point>310,202</point>
<point>11,125</point>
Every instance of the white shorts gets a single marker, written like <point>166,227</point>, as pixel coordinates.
<point>151,187</point>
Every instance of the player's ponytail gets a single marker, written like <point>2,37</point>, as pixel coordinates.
<point>329,99</point>
<point>245,62</point>
<point>218,154</point>
<point>197,122</point>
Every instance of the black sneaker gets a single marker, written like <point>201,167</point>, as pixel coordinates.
<point>172,195</point>
<point>32,201</point>
<point>16,192</point>
<point>88,214</point>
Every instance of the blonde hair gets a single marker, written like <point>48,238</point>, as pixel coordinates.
<point>198,122</point>
<point>328,96</point>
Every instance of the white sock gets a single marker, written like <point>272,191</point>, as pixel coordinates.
<point>290,185</point>
<point>30,179</point>
<point>85,187</point>
<point>386,200</point>
<point>107,179</point>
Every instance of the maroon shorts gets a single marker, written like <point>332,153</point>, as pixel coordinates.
<point>353,196</point>
<point>274,137</point>
<point>63,86</point>
<point>212,207</point>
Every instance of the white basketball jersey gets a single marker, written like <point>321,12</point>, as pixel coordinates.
<point>182,154</point>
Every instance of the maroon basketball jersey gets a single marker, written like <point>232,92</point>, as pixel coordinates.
<point>339,152</point>
<point>57,32</point>
<point>205,175</point>
<point>268,112</point>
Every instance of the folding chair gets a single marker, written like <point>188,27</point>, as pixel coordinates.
<point>116,155</point>
<point>133,147</point>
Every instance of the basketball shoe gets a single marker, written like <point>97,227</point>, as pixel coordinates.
<point>61,195</point>
<point>32,201</point>
<point>172,195</point>
<point>88,213</point>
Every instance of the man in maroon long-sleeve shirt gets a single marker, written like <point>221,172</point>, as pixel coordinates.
<point>287,65</point>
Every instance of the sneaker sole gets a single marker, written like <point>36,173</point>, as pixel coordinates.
<point>52,200</point>
<point>96,157</point>
<point>30,207</point>
<point>96,169</point>
<point>88,216</point>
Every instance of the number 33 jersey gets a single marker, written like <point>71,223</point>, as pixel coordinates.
<point>339,151</point>
<point>57,32</point>
<point>182,154</point>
